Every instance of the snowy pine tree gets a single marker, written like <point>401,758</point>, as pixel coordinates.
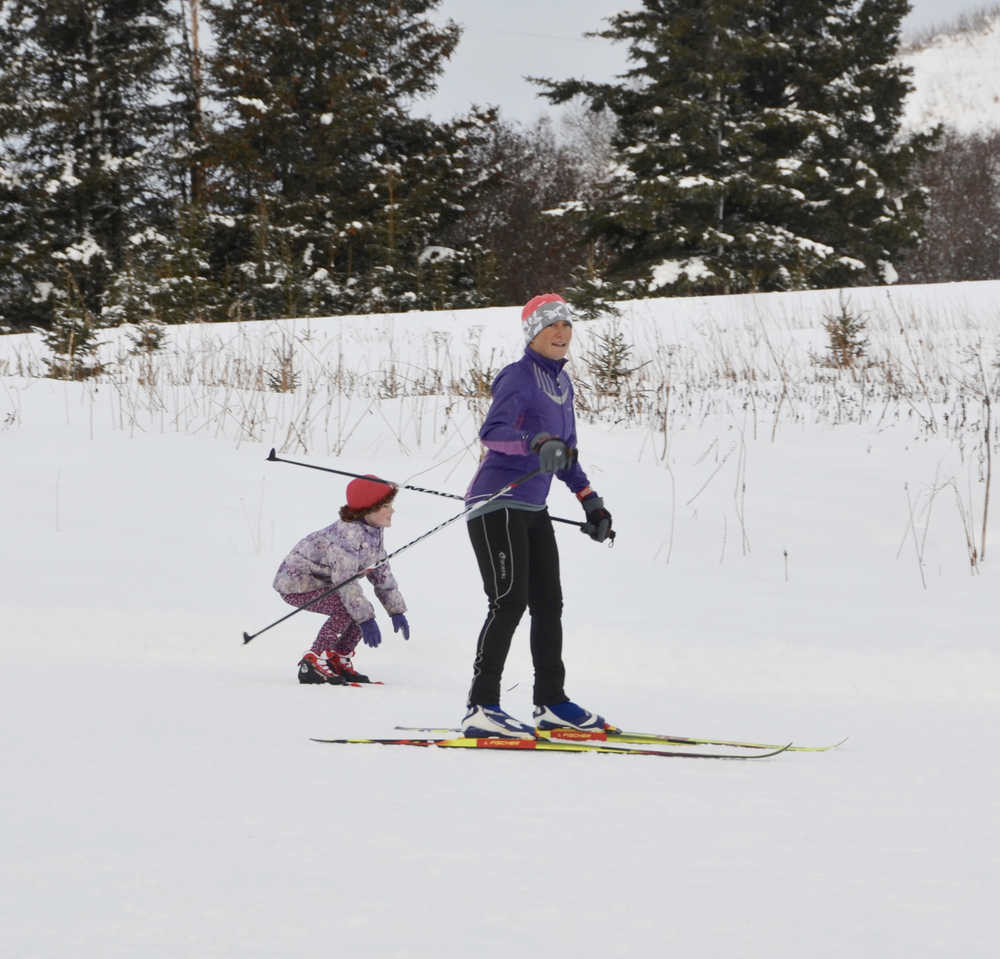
<point>80,131</point>
<point>333,191</point>
<point>757,147</point>
<point>183,279</point>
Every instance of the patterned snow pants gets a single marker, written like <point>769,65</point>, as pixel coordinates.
<point>339,633</point>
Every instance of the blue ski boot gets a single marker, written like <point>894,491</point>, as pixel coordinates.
<point>491,722</point>
<point>567,715</point>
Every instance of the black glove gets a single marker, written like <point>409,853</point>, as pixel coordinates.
<point>598,525</point>
<point>553,453</point>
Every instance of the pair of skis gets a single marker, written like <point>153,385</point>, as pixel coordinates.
<point>611,741</point>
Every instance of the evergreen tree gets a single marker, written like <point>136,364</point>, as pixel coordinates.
<point>333,191</point>
<point>757,147</point>
<point>181,283</point>
<point>80,130</point>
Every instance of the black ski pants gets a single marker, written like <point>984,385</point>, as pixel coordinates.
<point>519,562</point>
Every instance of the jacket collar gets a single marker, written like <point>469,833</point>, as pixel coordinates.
<point>552,366</point>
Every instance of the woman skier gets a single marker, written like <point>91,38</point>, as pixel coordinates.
<point>530,425</point>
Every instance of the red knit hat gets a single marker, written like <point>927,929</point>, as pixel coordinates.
<point>542,311</point>
<point>365,491</point>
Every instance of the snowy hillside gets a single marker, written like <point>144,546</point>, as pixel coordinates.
<point>957,78</point>
<point>792,563</point>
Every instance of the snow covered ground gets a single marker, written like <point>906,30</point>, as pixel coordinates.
<point>956,78</point>
<point>791,563</point>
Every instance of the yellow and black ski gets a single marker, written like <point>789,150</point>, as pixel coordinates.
<point>613,735</point>
<point>548,745</point>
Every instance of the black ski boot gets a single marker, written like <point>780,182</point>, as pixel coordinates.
<point>344,668</point>
<point>313,670</point>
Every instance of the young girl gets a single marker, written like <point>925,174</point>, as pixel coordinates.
<point>328,557</point>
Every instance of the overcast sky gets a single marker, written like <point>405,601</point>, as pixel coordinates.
<point>504,41</point>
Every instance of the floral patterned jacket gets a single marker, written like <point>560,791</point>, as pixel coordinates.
<point>335,553</point>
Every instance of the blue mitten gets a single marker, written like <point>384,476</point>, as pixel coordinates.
<point>399,623</point>
<point>370,633</point>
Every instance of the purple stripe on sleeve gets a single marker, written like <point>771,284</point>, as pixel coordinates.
<point>510,447</point>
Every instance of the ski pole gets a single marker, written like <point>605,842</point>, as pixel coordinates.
<point>350,579</point>
<point>273,457</point>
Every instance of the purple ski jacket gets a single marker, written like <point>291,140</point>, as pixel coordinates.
<point>330,555</point>
<point>532,396</point>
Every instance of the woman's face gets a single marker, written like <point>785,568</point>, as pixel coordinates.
<point>552,341</point>
<point>382,516</point>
